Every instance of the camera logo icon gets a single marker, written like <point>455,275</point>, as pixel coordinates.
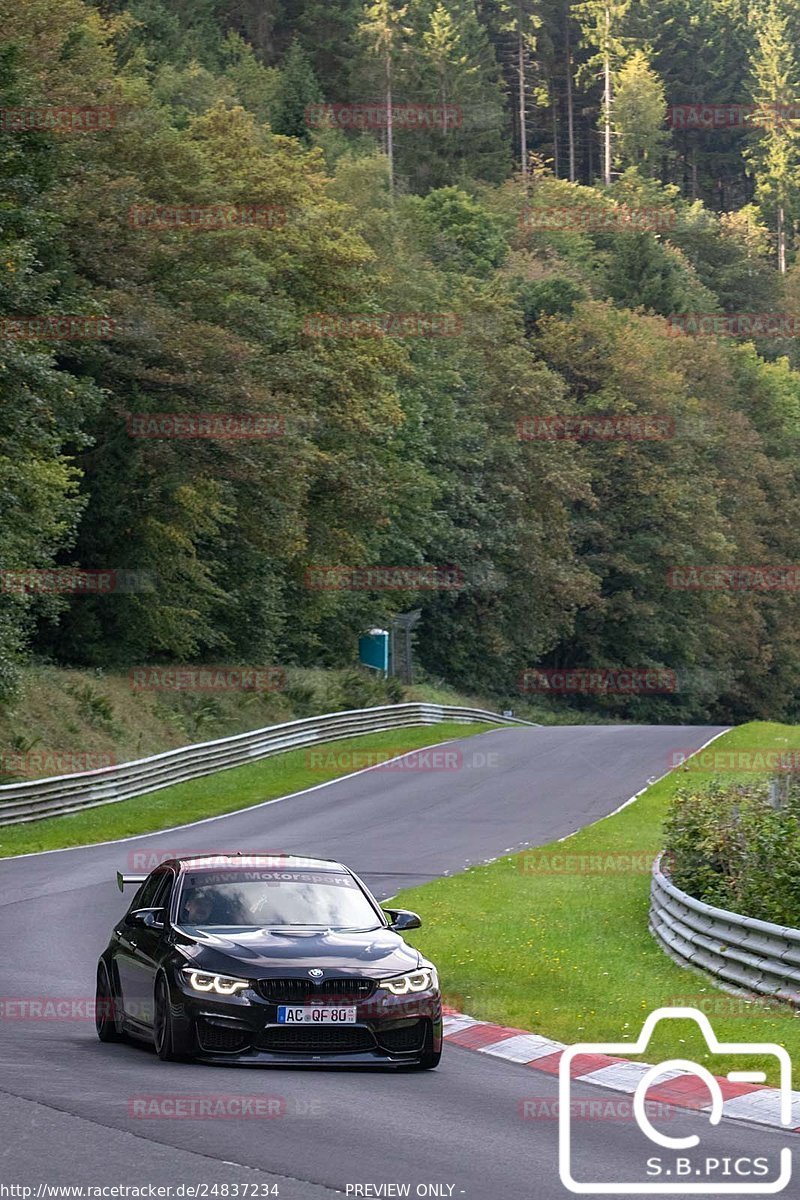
<point>677,1171</point>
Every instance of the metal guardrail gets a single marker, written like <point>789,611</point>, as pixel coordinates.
<point>31,801</point>
<point>739,951</point>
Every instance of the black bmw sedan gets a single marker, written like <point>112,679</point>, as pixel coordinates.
<point>267,959</point>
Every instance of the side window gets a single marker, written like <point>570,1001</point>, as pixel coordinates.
<point>153,892</point>
<point>161,898</point>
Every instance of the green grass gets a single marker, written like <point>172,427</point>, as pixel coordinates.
<point>568,954</point>
<point>61,715</point>
<point>224,791</point>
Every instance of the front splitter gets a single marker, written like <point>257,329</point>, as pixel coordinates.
<point>265,1058</point>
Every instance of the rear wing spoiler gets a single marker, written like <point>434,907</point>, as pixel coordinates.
<point>123,879</point>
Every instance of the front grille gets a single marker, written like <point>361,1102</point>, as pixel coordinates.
<point>221,1037</point>
<point>301,991</point>
<point>319,1039</point>
<point>408,1036</point>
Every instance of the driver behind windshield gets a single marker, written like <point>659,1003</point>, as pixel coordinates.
<point>270,899</point>
<point>197,907</point>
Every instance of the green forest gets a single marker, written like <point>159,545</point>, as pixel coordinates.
<point>448,237</point>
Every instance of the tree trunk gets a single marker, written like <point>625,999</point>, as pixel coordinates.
<point>607,102</point>
<point>570,109</point>
<point>523,126</point>
<point>555,138</point>
<point>781,240</point>
<point>389,123</point>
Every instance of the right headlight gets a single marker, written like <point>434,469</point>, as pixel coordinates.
<point>208,981</point>
<point>414,981</point>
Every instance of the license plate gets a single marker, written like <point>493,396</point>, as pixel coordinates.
<point>315,1014</point>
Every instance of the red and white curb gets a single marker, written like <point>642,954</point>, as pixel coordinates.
<point>742,1101</point>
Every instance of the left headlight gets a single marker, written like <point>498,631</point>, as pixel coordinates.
<point>223,985</point>
<point>414,981</point>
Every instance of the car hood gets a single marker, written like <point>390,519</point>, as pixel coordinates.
<point>264,953</point>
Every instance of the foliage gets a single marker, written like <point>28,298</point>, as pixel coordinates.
<point>729,846</point>
<point>297,90</point>
<point>774,152</point>
<point>398,449</point>
<point>639,115</point>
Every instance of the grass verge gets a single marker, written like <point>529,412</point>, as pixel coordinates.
<point>556,940</point>
<point>91,718</point>
<point>224,791</point>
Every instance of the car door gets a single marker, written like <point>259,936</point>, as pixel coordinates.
<point>137,950</point>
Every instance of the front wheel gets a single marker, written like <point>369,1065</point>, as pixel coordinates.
<point>428,1062</point>
<point>105,1007</point>
<point>429,1059</point>
<point>173,1044</point>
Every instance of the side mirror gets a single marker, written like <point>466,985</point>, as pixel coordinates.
<point>401,919</point>
<point>147,918</point>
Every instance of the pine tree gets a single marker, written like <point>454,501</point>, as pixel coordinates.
<point>775,150</point>
<point>519,22</point>
<point>297,89</point>
<point>601,24</point>
<point>260,22</point>
<point>640,112</point>
<point>442,49</point>
<point>384,33</point>
<point>328,34</point>
<point>701,50</point>
<point>452,65</point>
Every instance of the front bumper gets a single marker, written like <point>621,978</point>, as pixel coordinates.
<point>389,1030</point>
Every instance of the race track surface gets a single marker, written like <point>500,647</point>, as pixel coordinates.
<point>64,1097</point>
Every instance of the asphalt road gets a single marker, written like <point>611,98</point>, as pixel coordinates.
<point>66,1100</point>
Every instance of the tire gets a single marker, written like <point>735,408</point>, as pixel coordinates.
<point>428,1062</point>
<point>429,1059</point>
<point>106,1007</point>
<point>173,1042</point>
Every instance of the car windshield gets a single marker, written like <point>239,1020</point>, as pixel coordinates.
<point>272,899</point>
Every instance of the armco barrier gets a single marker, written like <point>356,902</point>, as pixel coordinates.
<point>30,801</point>
<point>740,951</point>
